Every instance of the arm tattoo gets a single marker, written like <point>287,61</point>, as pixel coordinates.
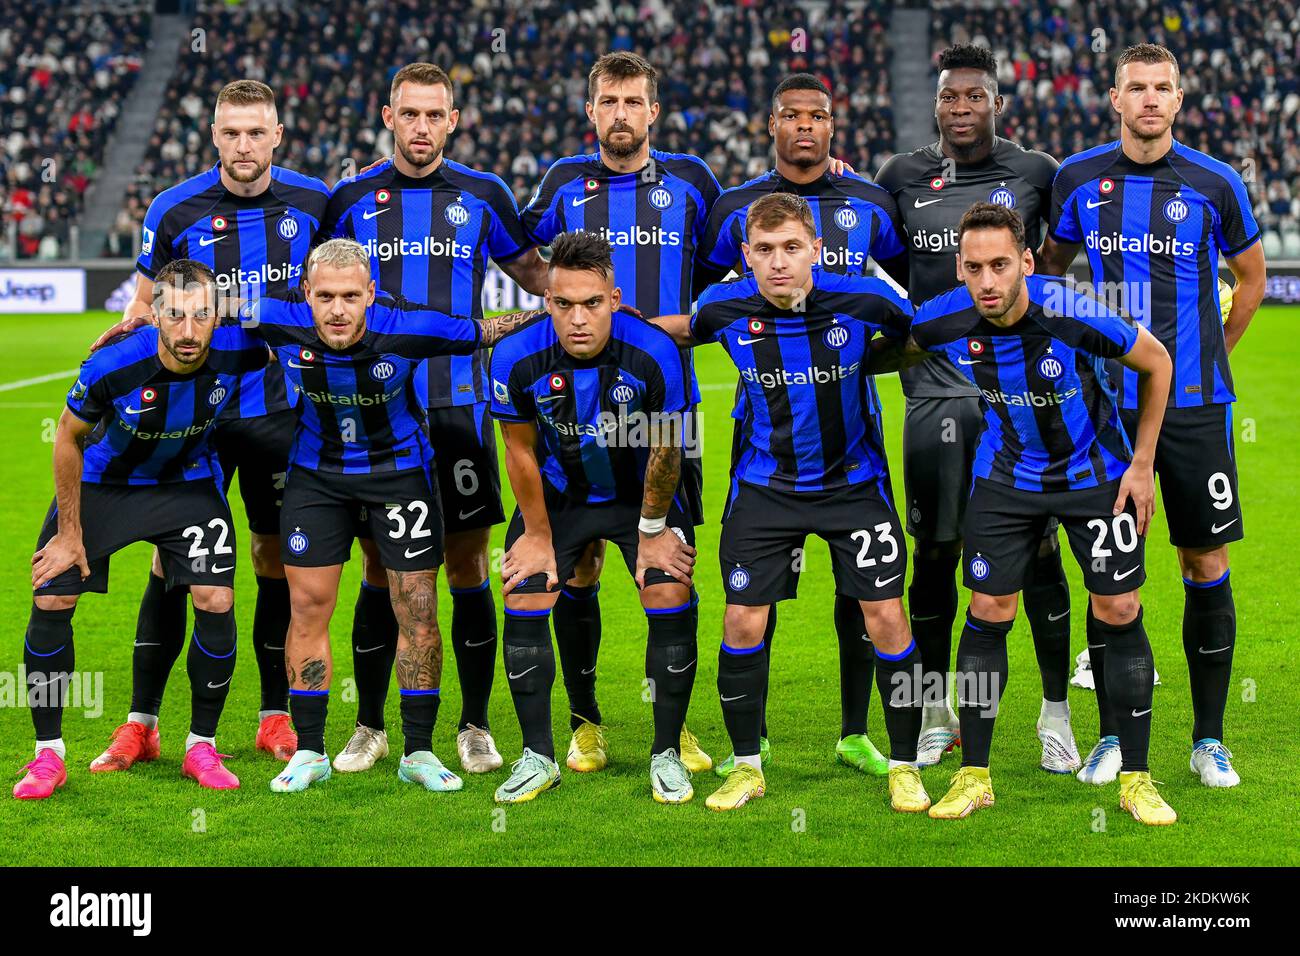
<point>419,643</point>
<point>662,472</point>
<point>497,327</point>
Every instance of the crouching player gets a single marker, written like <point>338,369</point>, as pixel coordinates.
<point>1052,447</point>
<point>133,461</point>
<point>811,461</point>
<point>590,402</point>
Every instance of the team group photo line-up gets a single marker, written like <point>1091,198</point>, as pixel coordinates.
<point>329,347</point>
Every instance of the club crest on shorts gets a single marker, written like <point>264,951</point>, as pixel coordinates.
<point>1177,210</point>
<point>298,541</point>
<point>456,214</point>
<point>287,227</point>
<point>1050,367</point>
<point>846,217</point>
<point>738,579</point>
<point>216,396</point>
<point>382,370</point>
<point>837,336</point>
<point>661,197</point>
<point>979,567</point>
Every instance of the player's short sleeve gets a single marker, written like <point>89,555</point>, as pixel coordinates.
<point>666,386</point>
<point>708,320</point>
<point>1063,216</point>
<point>894,319</point>
<point>89,397</point>
<point>419,332</point>
<point>511,399</point>
<point>337,220</point>
<point>1041,174</point>
<point>1104,333</point>
<point>238,349</point>
<point>930,328</point>
<point>506,236</point>
<point>888,241</point>
<point>543,218</point>
<point>1235,229</point>
<point>723,233</point>
<point>710,191</point>
<point>156,241</point>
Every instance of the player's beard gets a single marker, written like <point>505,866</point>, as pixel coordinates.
<point>623,151</point>
<point>233,172</point>
<point>969,152</point>
<point>434,154</point>
<point>1010,303</point>
<point>174,348</point>
<point>1138,132</point>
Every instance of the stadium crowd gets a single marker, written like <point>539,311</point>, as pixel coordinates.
<point>64,73</point>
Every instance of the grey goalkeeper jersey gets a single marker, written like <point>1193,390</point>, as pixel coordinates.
<point>933,192</point>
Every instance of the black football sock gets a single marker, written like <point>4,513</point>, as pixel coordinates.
<point>374,646</point>
<point>530,672</point>
<point>769,633</point>
<point>898,676</point>
<point>857,666</point>
<point>577,635</point>
<point>211,665</point>
<point>1106,726</point>
<point>48,659</point>
<point>670,665</point>
<point>1047,605</point>
<point>474,640</point>
<point>308,708</point>
<point>1209,636</point>
<point>159,637</point>
<point>981,678</point>
<point>1130,684</point>
<point>932,605</point>
<point>742,688</point>
<point>419,714</point>
<point>270,626</point>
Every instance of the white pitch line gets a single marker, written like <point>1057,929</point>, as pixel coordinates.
<point>38,380</point>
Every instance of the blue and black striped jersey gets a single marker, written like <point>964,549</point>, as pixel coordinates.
<point>153,426</point>
<point>1050,418</point>
<point>358,411</point>
<point>809,412</point>
<point>856,220</point>
<point>1153,233</point>
<point>594,415</point>
<point>256,245</point>
<point>429,241</point>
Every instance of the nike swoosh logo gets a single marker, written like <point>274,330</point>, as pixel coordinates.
<point>371,215</point>
<point>1094,205</point>
<point>479,643</point>
<point>587,670</point>
<point>549,398</point>
<point>273,647</point>
<point>217,570</point>
<point>881,584</point>
<point>148,643</point>
<point>293,364</point>
<point>415,554</point>
<point>929,202</point>
<point>45,683</point>
<point>929,617</point>
<point>470,514</point>
<point>212,686</point>
<point>1057,617</point>
<point>367,650</point>
<point>727,700</point>
<point>578,202</point>
<point>1096,647</point>
<point>205,241</point>
<point>744,341</point>
<point>1121,577</point>
<point>1217,650</point>
<point>966,361</point>
<point>1215,529</point>
<point>1141,713</point>
<point>141,411</point>
<point>681,670</point>
<point>512,676</point>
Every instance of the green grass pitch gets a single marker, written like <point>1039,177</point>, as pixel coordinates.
<point>816,811</point>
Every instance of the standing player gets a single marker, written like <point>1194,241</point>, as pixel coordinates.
<point>133,462</point>
<point>591,401</point>
<point>1154,216</point>
<point>856,221</point>
<point>430,225</point>
<point>934,186</point>
<point>812,460</point>
<point>652,207</point>
<point>1052,447</point>
<point>252,223</point>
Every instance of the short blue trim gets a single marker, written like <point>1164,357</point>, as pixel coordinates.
<point>414,692</point>
<point>294,692</point>
<point>672,610</point>
<point>216,657</point>
<point>38,654</point>
<point>1208,584</point>
<point>511,612</point>
<point>595,589</point>
<point>740,651</point>
<point>911,645</point>
<point>474,590</point>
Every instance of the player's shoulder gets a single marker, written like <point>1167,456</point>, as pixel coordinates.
<point>1089,163</point>
<point>902,168</point>
<point>1059,298</point>
<point>836,287</point>
<point>1204,164</point>
<point>188,192</point>
<point>739,197</point>
<point>728,291</point>
<point>120,352</point>
<point>568,168</point>
<point>1032,165</point>
<point>952,302</point>
<point>293,181</point>
<point>643,335</point>
<point>535,335</point>
<point>349,190</point>
<point>685,166</point>
<point>479,182</point>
